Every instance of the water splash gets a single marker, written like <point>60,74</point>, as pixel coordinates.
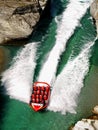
<point>70,19</point>
<point>18,78</point>
<point>69,83</point>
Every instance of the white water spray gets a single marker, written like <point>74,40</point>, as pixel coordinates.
<point>70,19</point>
<point>69,83</point>
<point>18,78</point>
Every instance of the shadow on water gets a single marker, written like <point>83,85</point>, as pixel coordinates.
<point>46,18</point>
<point>42,25</point>
<point>42,31</point>
<point>94,58</point>
<point>3,101</point>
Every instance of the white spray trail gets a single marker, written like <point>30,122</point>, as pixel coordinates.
<point>18,78</point>
<point>69,83</point>
<point>70,19</point>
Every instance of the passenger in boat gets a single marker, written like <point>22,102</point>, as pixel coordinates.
<point>40,94</point>
<point>37,100</point>
<point>40,97</point>
<point>35,88</point>
<point>42,88</point>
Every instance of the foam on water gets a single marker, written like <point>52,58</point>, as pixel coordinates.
<point>70,19</point>
<point>69,83</point>
<point>18,78</point>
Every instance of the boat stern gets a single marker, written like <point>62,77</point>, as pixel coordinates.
<point>36,106</point>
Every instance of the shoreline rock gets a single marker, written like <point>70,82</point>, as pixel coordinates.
<point>94,13</point>
<point>18,19</point>
<point>90,123</point>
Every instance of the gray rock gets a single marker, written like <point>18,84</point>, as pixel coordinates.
<point>18,18</point>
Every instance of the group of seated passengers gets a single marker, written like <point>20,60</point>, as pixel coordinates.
<point>40,94</point>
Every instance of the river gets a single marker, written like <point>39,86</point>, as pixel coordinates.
<point>62,52</point>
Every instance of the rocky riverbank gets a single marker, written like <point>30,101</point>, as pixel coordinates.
<point>18,18</point>
<point>88,124</point>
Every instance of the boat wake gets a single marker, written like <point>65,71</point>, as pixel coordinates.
<point>18,78</point>
<point>70,20</point>
<point>69,83</point>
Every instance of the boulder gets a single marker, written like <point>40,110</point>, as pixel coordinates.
<point>18,18</point>
<point>88,124</point>
<point>94,13</point>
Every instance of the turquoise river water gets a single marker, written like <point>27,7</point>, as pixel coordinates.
<point>62,52</point>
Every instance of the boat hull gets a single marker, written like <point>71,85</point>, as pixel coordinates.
<point>40,96</point>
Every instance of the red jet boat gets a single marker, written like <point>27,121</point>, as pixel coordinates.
<point>40,96</point>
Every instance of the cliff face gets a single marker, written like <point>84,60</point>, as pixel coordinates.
<point>94,13</point>
<point>18,18</point>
